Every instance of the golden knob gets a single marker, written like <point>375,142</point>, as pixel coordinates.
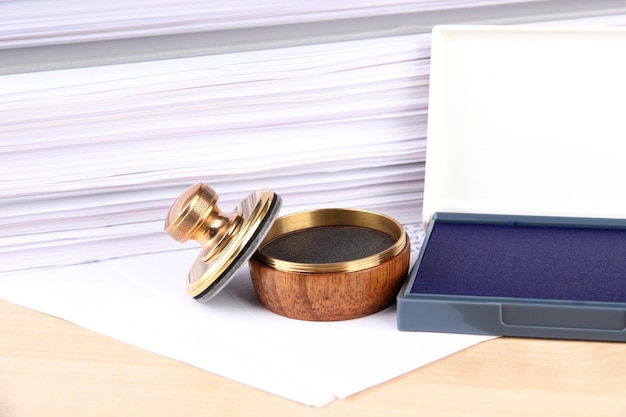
<point>195,215</point>
<point>228,239</point>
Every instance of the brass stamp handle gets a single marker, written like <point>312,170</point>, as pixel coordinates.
<point>195,215</point>
<point>228,240</point>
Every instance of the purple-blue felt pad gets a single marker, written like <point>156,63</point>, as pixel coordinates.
<point>524,261</point>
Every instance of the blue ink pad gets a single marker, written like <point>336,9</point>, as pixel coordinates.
<point>515,259</point>
<point>524,205</point>
<point>519,276</point>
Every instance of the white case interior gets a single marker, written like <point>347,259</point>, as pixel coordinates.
<point>527,120</point>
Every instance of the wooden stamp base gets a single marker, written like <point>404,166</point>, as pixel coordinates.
<point>327,291</point>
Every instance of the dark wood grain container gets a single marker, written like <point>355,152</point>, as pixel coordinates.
<point>331,264</point>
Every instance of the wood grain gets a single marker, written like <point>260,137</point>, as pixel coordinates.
<point>330,296</point>
<point>52,368</point>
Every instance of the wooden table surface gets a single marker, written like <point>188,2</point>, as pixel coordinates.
<point>54,368</point>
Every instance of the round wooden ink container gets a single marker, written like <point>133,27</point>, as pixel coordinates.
<point>330,264</point>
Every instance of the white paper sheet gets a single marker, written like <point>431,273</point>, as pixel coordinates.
<point>141,300</point>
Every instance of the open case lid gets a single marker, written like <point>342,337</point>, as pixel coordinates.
<point>528,121</point>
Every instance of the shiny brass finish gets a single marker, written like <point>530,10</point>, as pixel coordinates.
<point>195,215</point>
<point>223,236</point>
<point>334,217</point>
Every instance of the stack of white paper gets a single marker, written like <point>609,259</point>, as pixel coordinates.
<point>92,158</point>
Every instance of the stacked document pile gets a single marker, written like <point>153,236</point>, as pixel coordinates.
<point>93,157</point>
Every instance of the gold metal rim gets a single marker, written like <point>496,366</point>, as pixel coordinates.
<point>334,217</point>
<point>254,208</point>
